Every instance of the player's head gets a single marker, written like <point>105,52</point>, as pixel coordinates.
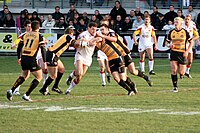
<point>35,25</point>
<point>178,22</point>
<point>104,21</point>
<point>104,29</point>
<point>188,19</point>
<point>69,31</point>
<point>27,25</point>
<point>147,20</point>
<point>92,28</point>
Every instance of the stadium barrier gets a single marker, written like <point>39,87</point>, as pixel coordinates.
<point>9,35</point>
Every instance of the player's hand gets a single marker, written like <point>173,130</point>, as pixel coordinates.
<point>185,54</point>
<point>156,47</point>
<point>99,34</point>
<point>19,61</point>
<point>13,46</point>
<point>99,39</point>
<point>171,46</point>
<point>136,43</point>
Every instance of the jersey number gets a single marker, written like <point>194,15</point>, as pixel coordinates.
<point>29,43</point>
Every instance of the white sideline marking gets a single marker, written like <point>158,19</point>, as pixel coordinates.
<point>92,109</point>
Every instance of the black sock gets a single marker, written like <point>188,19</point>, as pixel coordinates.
<point>123,84</point>
<point>47,83</point>
<point>142,75</point>
<point>174,80</point>
<point>130,83</point>
<point>18,82</point>
<point>33,85</point>
<point>59,76</point>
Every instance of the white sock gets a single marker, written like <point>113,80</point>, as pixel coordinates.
<point>72,74</point>
<point>72,85</point>
<point>151,65</point>
<point>103,78</point>
<point>187,70</point>
<point>17,89</point>
<point>45,76</point>
<point>142,66</point>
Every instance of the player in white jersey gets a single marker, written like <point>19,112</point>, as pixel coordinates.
<point>190,26</point>
<point>83,56</point>
<point>146,33</point>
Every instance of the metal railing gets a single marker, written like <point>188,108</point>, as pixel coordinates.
<point>145,4</point>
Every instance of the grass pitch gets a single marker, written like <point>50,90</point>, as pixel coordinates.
<point>94,109</point>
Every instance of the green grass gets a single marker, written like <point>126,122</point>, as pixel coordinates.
<point>93,109</point>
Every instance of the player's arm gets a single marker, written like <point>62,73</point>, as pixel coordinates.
<point>42,47</point>
<point>196,34</point>
<point>168,40</point>
<point>191,42</point>
<point>135,33</point>
<point>111,38</point>
<point>153,34</point>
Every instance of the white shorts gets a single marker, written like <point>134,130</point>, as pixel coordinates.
<point>101,55</point>
<point>191,51</point>
<point>86,60</point>
<point>142,48</point>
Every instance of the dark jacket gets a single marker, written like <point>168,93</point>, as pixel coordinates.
<point>170,16</point>
<point>121,11</point>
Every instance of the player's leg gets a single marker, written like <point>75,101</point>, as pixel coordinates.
<point>53,74</point>
<point>174,77</point>
<point>79,73</point>
<point>151,60</point>
<point>108,72</point>
<point>25,74</point>
<point>142,63</point>
<point>61,70</point>
<point>134,71</point>
<point>38,77</point>
<point>70,77</point>
<point>102,72</point>
<point>44,70</point>
<point>189,64</point>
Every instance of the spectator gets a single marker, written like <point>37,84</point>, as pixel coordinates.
<point>180,14</point>
<point>72,11</point>
<point>76,16</point>
<point>169,26</point>
<point>191,12</point>
<point>21,19</point>
<point>98,15</point>
<point>57,14</point>
<point>35,17</point>
<point>160,23</point>
<point>139,21</point>
<point>9,21</point>
<point>81,27</point>
<point>94,19</point>
<point>113,25</point>
<point>119,22</point>
<point>85,17</point>
<point>62,23</point>
<point>75,23</point>
<point>5,13</point>
<point>118,10</point>
<point>71,23</point>
<point>138,11</point>
<point>132,16</point>
<point>126,24</point>
<point>171,14</point>
<point>42,20</point>
<point>146,13</point>
<point>198,21</point>
<point>49,22</point>
<point>155,16</point>
<point>108,17</point>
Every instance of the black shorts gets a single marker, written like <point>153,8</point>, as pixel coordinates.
<point>117,65</point>
<point>177,56</point>
<point>51,59</point>
<point>127,59</point>
<point>29,63</point>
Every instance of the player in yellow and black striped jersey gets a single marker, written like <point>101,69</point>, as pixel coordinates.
<point>116,39</point>
<point>179,52</point>
<point>32,41</point>
<point>54,64</point>
<point>117,65</point>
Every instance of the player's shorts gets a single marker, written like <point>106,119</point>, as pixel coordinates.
<point>51,59</point>
<point>127,60</point>
<point>101,55</point>
<point>39,55</point>
<point>142,48</point>
<point>29,63</point>
<point>85,60</point>
<point>191,51</point>
<point>177,56</point>
<point>117,65</point>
